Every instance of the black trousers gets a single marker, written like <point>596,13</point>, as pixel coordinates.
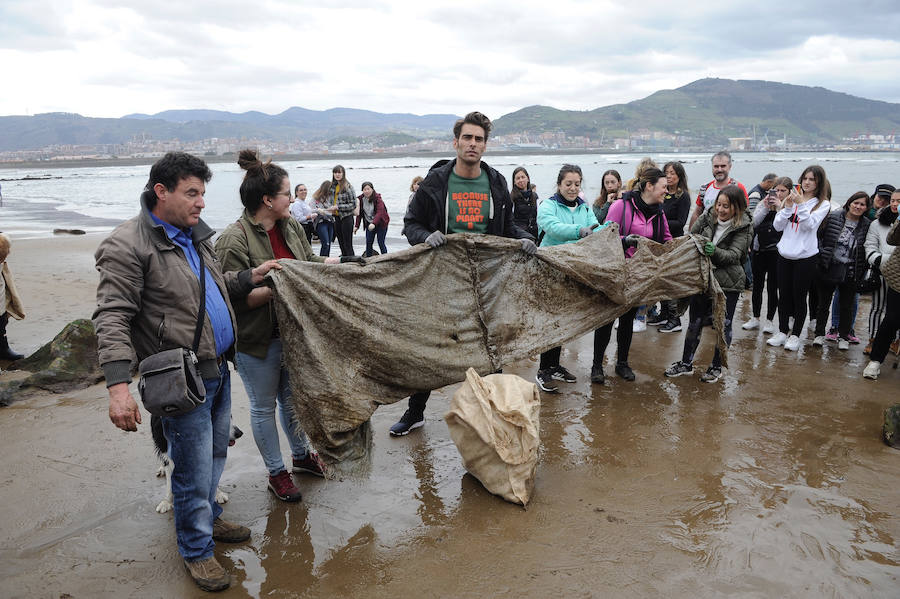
<point>846,295</point>
<point>623,338</point>
<point>344,232</point>
<point>765,275</point>
<point>700,307</point>
<point>794,281</point>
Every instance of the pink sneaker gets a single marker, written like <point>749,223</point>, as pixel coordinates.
<point>832,335</point>
<point>852,338</point>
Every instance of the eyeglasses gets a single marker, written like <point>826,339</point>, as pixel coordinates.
<point>284,193</point>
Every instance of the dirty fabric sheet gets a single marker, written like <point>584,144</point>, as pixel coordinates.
<point>357,337</point>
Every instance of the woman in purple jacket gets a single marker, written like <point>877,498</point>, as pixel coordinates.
<point>639,214</point>
<point>374,217</point>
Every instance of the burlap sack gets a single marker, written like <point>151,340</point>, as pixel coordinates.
<point>495,423</point>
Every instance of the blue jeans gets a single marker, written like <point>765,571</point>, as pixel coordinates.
<point>198,445</point>
<point>325,231</point>
<point>267,383</point>
<point>379,232</point>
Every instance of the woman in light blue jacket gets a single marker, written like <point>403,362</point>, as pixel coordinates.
<point>562,218</point>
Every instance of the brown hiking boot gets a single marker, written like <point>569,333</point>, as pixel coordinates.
<point>208,574</point>
<point>229,532</point>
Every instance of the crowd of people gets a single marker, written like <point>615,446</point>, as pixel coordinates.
<point>163,282</point>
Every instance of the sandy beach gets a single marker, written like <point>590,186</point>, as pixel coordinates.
<point>772,483</point>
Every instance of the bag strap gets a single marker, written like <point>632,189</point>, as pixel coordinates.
<point>201,316</point>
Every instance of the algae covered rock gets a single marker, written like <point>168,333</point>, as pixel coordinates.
<point>68,363</point>
<point>891,429</point>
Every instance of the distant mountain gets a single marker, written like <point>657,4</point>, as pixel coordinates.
<point>708,110</point>
<point>716,109</point>
<point>42,130</point>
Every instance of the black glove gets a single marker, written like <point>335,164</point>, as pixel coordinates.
<point>584,232</point>
<point>345,259</point>
<point>631,241</point>
<point>436,239</point>
<point>528,247</point>
<point>877,263</point>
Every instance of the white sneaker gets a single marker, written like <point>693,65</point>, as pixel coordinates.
<point>792,343</point>
<point>777,339</point>
<point>770,327</point>
<point>819,340</point>
<point>638,326</point>
<point>751,324</point>
<point>843,344</point>
<point>812,324</point>
<point>873,369</point>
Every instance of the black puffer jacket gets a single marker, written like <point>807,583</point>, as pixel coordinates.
<point>427,211</point>
<point>828,237</point>
<point>525,211</point>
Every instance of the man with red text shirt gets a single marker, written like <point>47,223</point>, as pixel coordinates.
<point>464,195</point>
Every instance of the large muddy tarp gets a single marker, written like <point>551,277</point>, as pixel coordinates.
<point>357,337</point>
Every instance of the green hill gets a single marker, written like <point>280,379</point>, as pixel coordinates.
<point>713,110</point>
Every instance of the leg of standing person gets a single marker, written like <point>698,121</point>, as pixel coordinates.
<point>824,289</point>
<point>771,276</point>
<point>345,235</point>
<point>758,263</point>
<point>785,273</point>
<point>804,272</point>
<point>370,239</point>
<point>887,330</point>
<point>876,312</point>
<point>624,335</point>
<point>699,307</point>
<point>847,294</point>
<point>546,367</point>
<point>414,416</point>
<point>601,342</point>
<point>812,295</point>
<point>381,233</point>
<point>731,300</point>
<point>325,230</point>
<point>198,446</point>
<point>266,384</point>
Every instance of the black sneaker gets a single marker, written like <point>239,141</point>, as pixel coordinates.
<point>679,369</point>
<point>624,371</point>
<point>407,423</point>
<point>711,375</point>
<point>544,380</point>
<point>671,326</point>
<point>561,374</point>
<point>657,319</point>
<point>597,375</point>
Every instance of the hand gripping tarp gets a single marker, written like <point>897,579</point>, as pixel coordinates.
<point>357,337</point>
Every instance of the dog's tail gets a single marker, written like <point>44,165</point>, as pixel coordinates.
<point>159,439</point>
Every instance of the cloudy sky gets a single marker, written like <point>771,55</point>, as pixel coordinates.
<point>107,59</point>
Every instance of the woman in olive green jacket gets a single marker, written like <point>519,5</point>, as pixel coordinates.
<point>265,231</point>
<point>727,227</point>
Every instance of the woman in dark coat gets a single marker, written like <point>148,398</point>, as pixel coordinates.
<point>842,262</point>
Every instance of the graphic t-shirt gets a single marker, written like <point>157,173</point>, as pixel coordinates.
<point>709,193</point>
<point>468,204</point>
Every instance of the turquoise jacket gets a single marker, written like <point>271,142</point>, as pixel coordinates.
<point>558,224</point>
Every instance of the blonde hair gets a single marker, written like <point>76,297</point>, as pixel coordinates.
<point>644,164</point>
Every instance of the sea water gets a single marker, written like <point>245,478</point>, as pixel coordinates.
<point>96,198</point>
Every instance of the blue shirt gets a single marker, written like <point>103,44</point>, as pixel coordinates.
<point>216,308</point>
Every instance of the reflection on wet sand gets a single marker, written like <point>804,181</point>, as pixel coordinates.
<point>772,483</point>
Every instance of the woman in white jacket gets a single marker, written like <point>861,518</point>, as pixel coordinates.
<point>877,252</point>
<point>798,251</point>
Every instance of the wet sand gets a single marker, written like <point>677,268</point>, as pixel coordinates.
<point>772,483</point>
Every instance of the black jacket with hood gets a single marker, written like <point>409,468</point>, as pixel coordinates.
<point>427,211</point>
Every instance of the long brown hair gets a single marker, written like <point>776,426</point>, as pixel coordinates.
<point>601,199</point>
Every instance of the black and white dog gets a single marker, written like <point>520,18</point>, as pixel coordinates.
<point>165,463</point>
